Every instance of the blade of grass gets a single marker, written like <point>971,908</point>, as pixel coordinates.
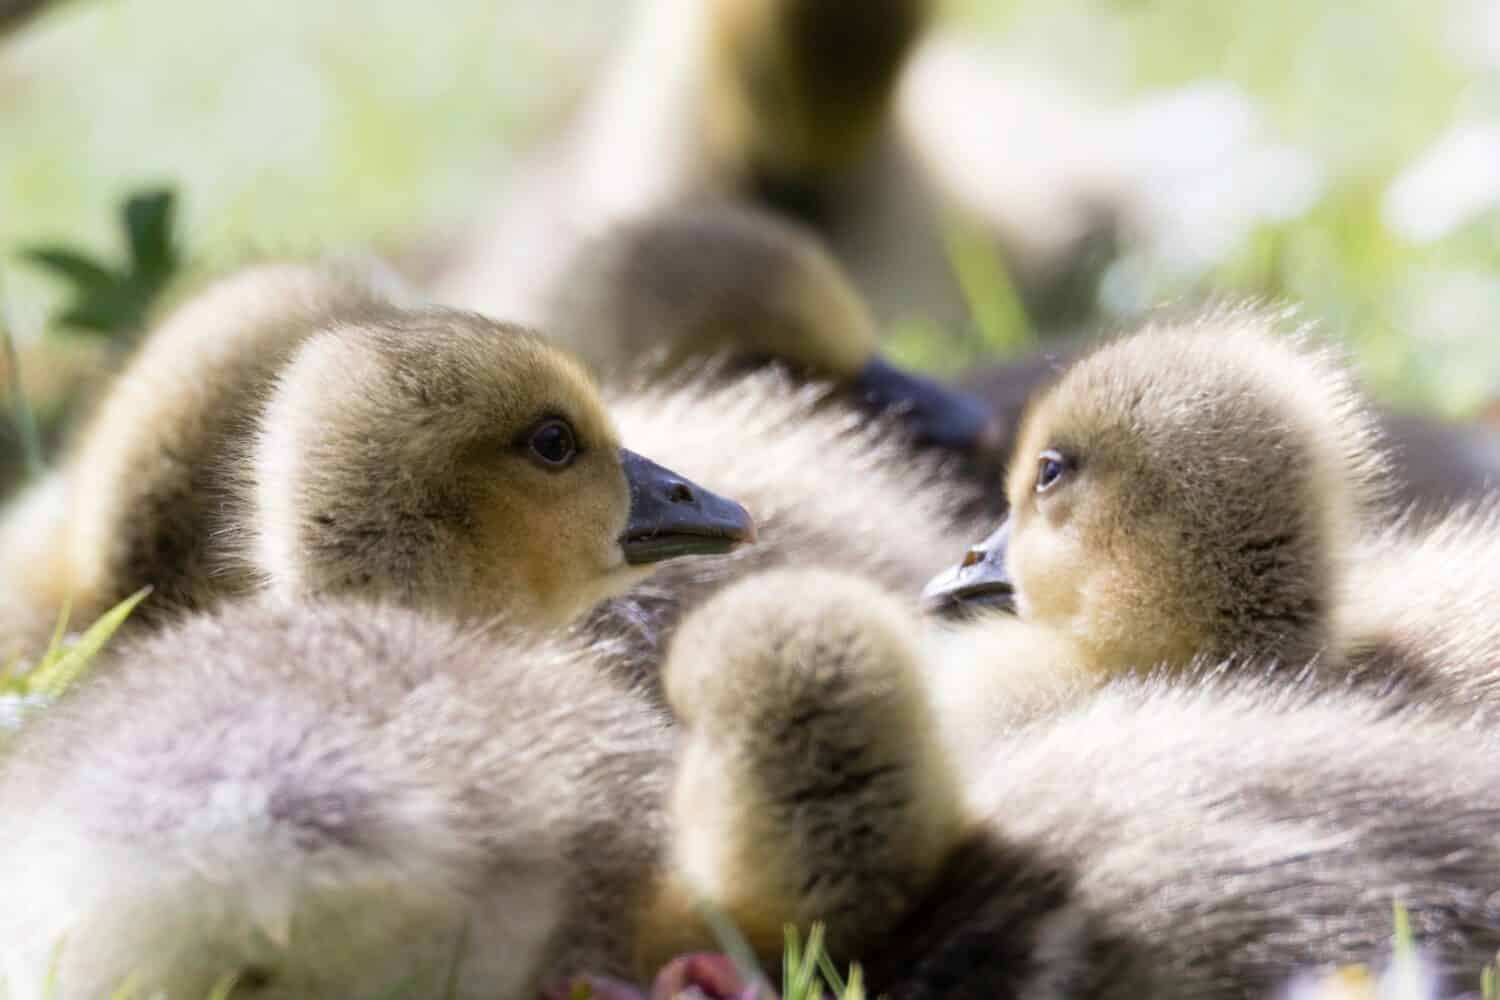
<point>71,665</point>
<point>54,967</point>
<point>129,989</point>
<point>831,974</point>
<point>1401,940</point>
<point>224,988</point>
<point>59,630</point>
<point>856,988</point>
<point>805,975</point>
<point>735,946</point>
<point>994,304</point>
<point>791,958</point>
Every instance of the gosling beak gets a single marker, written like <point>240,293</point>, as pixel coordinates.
<point>979,582</point>
<point>934,413</point>
<point>671,517</point>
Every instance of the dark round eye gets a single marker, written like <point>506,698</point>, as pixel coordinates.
<point>552,444</point>
<point>1050,469</point>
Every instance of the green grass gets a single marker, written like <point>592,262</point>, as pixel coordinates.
<point>808,972</point>
<point>1366,87</point>
<point>30,687</point>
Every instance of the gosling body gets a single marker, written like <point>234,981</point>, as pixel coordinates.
<point>330,800</point>
<point>1157,837</point>
<point>149,475</point>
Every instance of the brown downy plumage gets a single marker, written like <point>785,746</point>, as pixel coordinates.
<point>1435,465</point>
<point>330,800</point>
<point>740,287</point>
<point>291,430</point>
<point>1156,838</point>
<point>1213,490</point>
<point>133,501</point>
<point>797,91</point>
<point>785,810</point>
<point>805,107</point>
<point>1193,490</point>
<point>683,287</point>
<point>678,288</point>
<point>727,99</point>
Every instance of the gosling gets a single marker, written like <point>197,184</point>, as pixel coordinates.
<point>1191,491</point>
<point>290,431</point>
<point>330,799</point>
<point>772,100</point>
<point>1154,839</point>
<point>740,287</point>
<point>1216,491</point>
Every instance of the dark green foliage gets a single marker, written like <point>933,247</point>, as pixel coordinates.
<point>110,303</point>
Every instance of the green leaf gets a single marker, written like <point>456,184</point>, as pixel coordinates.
<point>148,232</point>
<point>85,273</point>
<point>117,302</point>
<point>111,313</point>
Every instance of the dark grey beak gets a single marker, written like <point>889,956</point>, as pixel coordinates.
<point>934,413</point>
<point>671,516</point>
<point>980,582</point>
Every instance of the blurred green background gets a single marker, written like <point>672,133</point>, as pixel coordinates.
<point>296,126</point>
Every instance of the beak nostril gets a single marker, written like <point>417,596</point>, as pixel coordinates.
<point>681,493</point>
<point>973,557</point>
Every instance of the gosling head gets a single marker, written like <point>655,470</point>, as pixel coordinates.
<point>1193,489</point>
<point>798,89</point>
<point>444,461</point>
<point>747,288</point>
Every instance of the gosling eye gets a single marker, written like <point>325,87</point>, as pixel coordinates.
<point>552,444</point>
<point>1050,469</point>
